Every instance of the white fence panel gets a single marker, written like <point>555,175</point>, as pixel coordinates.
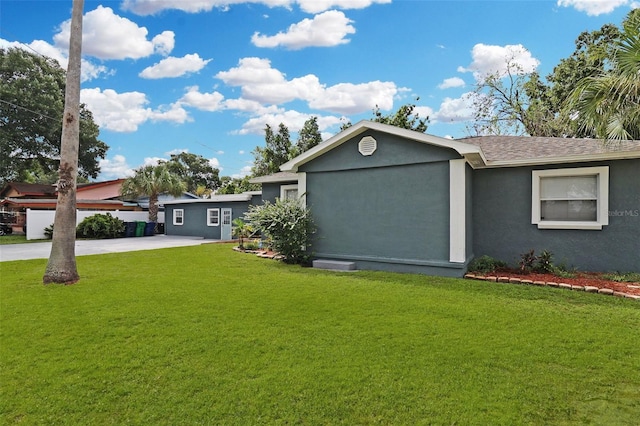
<point>37,220</point>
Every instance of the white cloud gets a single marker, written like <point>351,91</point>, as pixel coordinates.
<point>89,70</point>
<point>150,7</point>
<point>124,112</point>
<point>252,107</point>
<point>451,82</point>
<point>175,67</point>
<point>326,29</point>
<point>241,152</point>
<point>115,168</point>
<point>594,7</point>
<point>213,162</point>
<point>153,161</point>
<point>244,171</point>
<point>455,110</point>
<point>489,59</point>
<point>423,112</point>
<point>106,35</point>
<point>348,98</point>
<point>294,121</point>
<point>173,113</point>
<point>261,83</point>
<point>202,101</point>
<point>268,85</point>
<point>315,6</point>
<point>176,151</point>
<point>163,43</point>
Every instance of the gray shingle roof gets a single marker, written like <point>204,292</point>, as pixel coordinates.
<point>516,149</point>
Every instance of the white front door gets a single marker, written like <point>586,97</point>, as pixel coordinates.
<point>225,232</point>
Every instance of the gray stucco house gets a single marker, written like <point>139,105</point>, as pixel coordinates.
<point>393,199</point>
<point>209,218</point>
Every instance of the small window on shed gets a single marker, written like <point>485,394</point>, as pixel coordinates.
<point>178,216</point>
<point>213,217</point>
<point>367,145</point>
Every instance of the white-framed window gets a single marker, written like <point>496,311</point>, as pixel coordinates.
<point>289,192</point>
<point>570,198</point>
<point>213,217</point>
<point>178,216</point>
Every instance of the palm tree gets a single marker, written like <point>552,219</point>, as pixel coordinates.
<point>242,230</point>
<point>61,267</point>
<point>609,104</point>
<point>151,181</point>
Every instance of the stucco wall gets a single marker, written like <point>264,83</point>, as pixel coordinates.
<point>502,220</point>
<point>387,211</point>
<point>271,191</point>
<point>195,218</point>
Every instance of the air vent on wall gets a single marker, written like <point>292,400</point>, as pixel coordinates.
<point>367,145</point>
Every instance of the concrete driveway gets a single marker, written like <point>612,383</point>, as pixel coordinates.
<point>84,247</point>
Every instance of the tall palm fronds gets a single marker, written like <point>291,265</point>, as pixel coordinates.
<point>153,181</point>
<point>609,104</point>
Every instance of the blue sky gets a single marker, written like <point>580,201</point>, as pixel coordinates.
<point>206,76</point>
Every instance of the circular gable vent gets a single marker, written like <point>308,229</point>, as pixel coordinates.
<point>367,145</point>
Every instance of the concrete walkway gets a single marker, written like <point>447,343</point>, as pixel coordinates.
<point>84,247</point>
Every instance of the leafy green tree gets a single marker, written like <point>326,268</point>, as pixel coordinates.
<point>275,153</point>
<point>519,103</point>
<point>288,225</point>
<point>229,185</point>
<point>278,148</point>
<point>591,57</point>
<point>608,104</point>
<point>151,181</point>
<point>308,137</point>
<point>404,117</point>
<point>194,170</point>
<point>31,107</point>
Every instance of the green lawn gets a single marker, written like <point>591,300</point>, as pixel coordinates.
<point>17,239</point>
<point>205,335</point>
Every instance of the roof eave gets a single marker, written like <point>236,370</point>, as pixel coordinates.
<point>583,158</point>
<point>462,148</point>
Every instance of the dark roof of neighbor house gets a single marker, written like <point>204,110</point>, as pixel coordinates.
<point>88,185</point>
<point>518,150</point>
<point>29,189</point>
<point>46,203</point>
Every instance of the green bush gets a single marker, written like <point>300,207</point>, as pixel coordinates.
<point>100,226</point>
<point>544,263</point>
<point>48,231</point>
<point>486,264</point>
<point>289,226</point>
<point>527,261</point>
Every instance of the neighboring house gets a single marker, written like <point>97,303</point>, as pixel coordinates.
<point>209,218</point>
<point>393,199</point>
<point>106,190</point>
<point>17,197</point>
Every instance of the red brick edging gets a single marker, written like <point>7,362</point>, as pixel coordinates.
<point>588,289</point>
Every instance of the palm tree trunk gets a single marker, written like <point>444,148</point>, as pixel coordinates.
<point>61,267</point>
<point>153,208</point>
